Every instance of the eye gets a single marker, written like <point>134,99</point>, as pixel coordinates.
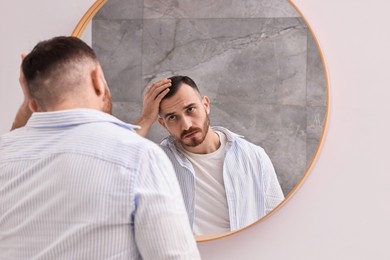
<point>191,109</point>
<point>171,117</point>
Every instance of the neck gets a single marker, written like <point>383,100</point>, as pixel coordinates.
<point>74,103</point>
<point>210,144</point>
<point>67,107</point>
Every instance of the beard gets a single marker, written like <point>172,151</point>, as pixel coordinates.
<point>107,102</point>
<point>195,141</point>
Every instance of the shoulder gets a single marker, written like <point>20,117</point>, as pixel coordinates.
<point>244,147</point>
<point>168,145</point>
<point>117,144</point>
<point>238,141</point>
<point>241,142</point>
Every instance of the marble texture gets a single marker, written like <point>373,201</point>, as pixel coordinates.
<point>118,44</point>
<point>316,92</point>
<point>121,9</point>
<point>256,60</point>
<point>232,50</point>
<point>218,9</point>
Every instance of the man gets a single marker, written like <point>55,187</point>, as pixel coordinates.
<point>227,182</point>
<point>76,182</point>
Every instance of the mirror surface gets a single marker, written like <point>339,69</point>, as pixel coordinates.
<point>257,61</point>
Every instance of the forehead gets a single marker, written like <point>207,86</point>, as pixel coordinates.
<point>184,96</point>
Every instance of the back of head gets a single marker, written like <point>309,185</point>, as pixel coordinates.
<point>55,69</point>
<point>177,82</point>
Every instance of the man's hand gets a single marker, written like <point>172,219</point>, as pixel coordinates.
<point>22,81</point>
<point>24,112</point>
<point>152,98</point>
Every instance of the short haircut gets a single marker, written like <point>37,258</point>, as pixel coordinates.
<point>177,82</point>
<point>54,68</point>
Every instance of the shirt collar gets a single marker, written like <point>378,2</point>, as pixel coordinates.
<point>169,142</point>
<point>230,136</point>
<point>63,118</point>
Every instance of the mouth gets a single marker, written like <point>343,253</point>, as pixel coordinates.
<point>190,134</point>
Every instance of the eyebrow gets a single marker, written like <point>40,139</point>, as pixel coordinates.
<point>184,108</point>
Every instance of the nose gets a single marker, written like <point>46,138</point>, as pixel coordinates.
<point>186,123</point>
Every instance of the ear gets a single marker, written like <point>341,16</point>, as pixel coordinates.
<point>33,105</point>
<point>161,121</point>
<point>206,104</point>
<point>98,81</point>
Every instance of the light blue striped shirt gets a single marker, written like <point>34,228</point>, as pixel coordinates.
<point>251,185</point>
<point>81,184</point>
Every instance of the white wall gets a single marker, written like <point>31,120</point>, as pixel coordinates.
<point>342,211</point>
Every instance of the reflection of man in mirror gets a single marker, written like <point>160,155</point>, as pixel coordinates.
<point>78,183</point>
<point>226,181</point>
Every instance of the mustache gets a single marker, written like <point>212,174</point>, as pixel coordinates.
<point>190,130</point>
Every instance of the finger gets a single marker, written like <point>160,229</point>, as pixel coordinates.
<point>160,89</point>
<point>161,95</point>
<point>155,90</point>
<point>158,84</point>
<point>21,77</point>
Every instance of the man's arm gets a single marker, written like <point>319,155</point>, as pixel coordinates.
<point>162,229</point>
<point>24,112</point>
<point>22,116</point>
<point>152,98</point>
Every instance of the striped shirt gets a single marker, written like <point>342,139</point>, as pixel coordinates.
<point>251,185</point>
<point>81,184</point>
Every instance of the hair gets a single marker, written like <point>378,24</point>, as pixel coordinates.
<point>55,68</point>
<point>177,82</point>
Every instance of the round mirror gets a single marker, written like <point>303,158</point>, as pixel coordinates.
<point>257,61</point>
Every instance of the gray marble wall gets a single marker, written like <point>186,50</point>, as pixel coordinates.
<point>255,59</point>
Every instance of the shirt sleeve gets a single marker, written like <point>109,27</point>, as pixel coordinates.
<point>273,191</point>
<point>161,226</point>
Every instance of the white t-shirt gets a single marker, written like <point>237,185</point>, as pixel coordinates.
<point>211,209</point>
